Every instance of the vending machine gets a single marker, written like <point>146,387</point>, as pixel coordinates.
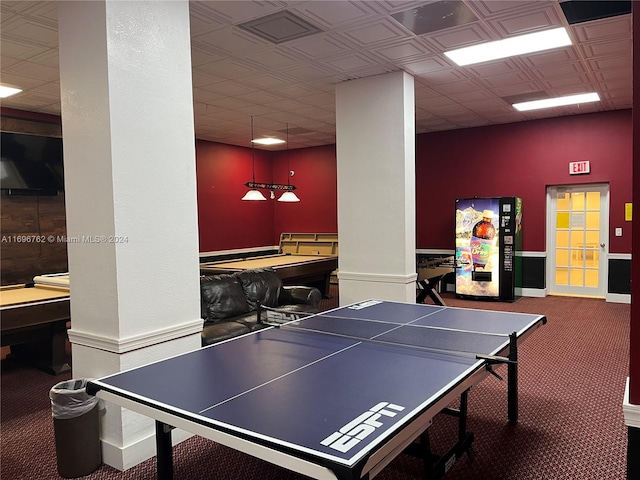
<point>488,235</point>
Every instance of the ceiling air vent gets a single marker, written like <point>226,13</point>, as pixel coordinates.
<point>279,27</point>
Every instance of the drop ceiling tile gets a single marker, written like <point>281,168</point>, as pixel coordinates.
<point>499,7</point>
<point>49,58</point>
<point>203,19</point>
<point>31,31</point>
<point>602,49</point>
<point>402,51</point>
<point>381,30</point>
<point>349,63</point>
<point>426,66</point>
<point>453,88</point>
<point>274,58</point>
<point>444,76</point>
<point>603,29</point>
<point>319,46</point>
<point>549,57</point>
<point>230,68</point>
<point>202,79</point>
<point>234,11</point>
<point>528,21</point>
<point>19,49</point>
<point>492,69</point>
<point>230,40</point>
<point>460,37</point>
<point>200,56</point>
<point>567,81</point>
<point>228,88</point>
<point>509,90</point>
<point>360,39</point>
<point>559,70</point>
<point>612,76</point>
<point>467,98</point>
<point>612,63</point>
<point>513,78</point>
<point>333,14</point>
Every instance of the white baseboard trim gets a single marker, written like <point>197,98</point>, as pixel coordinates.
<point>631,411</point>
<point>135,342</point>
<point>124,458</point>
<point>533,292</point>
<point>618,298</point>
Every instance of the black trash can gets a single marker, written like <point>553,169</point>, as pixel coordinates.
<point>76,429</point>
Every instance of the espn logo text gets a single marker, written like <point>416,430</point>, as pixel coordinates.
<point>360,427</point>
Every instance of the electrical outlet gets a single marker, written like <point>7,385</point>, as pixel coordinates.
<point>618,232</point>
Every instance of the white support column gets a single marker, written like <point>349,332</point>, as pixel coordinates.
<point>129,154</point>
<point>376,188</point>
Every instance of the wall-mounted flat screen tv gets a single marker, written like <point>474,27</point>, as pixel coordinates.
<point>30,164</point>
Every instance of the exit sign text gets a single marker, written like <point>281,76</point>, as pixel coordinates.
<point>579,168</point>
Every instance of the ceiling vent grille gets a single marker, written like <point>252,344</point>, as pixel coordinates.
<point>279,27</point>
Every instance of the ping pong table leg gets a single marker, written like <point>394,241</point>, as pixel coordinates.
<point>512,379</point>
<point>164,451</point>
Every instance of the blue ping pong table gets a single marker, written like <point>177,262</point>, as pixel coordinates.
<point>336,395</point>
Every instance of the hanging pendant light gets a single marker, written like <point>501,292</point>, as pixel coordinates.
<point>288,196</point>
<point>253,194</point>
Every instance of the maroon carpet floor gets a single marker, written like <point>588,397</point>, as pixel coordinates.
<point>572,378</point>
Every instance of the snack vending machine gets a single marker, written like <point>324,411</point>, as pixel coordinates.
<point>488,235</point>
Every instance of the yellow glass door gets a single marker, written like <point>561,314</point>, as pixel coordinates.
<point>577,240</point>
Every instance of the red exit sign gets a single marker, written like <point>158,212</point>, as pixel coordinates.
<point>579,168</point>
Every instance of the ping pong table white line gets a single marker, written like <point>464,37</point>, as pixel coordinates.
<point>279,377</point>
<point>358,341</point>
<point>407,324</point>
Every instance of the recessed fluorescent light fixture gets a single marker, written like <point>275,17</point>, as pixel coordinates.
<point>8,91</point>
<point>557,102</point>
<point>268,141</point>
<point>509,47</point>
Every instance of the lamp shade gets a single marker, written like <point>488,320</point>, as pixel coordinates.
<point>288,197</point>
<point>253,195</point>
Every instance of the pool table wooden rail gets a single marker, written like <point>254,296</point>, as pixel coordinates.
<point>33,321</point>
<point>311,270</point>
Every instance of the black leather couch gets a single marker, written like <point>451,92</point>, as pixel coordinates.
<point>229,302</point>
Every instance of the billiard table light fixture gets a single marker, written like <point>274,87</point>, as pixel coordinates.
<point>254,192</point>
<point>288,195</point>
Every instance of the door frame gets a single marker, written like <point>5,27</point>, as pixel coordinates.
<point>551,242</point>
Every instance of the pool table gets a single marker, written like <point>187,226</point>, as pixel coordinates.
<point>33,321</point>
<point>310,270</point>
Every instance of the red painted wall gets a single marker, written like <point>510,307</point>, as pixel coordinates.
<point>226,222</point>
<point>522,159</point>
<point>525,157</point>
<point>317,187</point>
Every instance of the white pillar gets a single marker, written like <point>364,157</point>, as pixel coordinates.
<point>129,154</point>
<point>376,188</point>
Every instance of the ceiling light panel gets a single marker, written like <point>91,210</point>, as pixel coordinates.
<point>557,102</point>
<point>509,47</point>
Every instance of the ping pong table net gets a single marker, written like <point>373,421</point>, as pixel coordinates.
<point>474,344</point>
